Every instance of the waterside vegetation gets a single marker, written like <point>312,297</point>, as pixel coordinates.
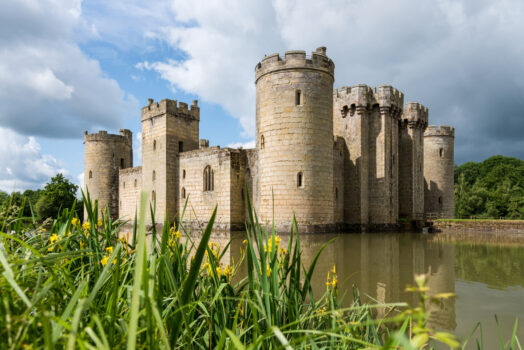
<point>84,285</point>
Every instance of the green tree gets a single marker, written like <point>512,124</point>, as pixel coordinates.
<point>493,188</point>
<point>58,194</point>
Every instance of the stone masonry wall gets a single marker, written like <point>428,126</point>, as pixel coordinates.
<point>167,126</point>
<point>130,187</point>
<point>439,165</point>
<point>411,161</point>
<point>367,118</point>
<point>225,164</point>
<point>339,153</point>
<point>104,155</point>
<point>295,139</point>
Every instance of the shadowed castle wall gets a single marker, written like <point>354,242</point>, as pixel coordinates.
<point>104,155</point>
<point>411,161</point>
<point>367,119</point>
<point>294,111</point>
<point>438,171</point>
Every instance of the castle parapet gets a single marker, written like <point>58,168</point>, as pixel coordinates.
<point>173,107</point>
<point>415,114</point>
<point>355,96</point>
<point>295,60</point>
<point>388,96</point>
<point>102,135</point>
<point>442,130</point>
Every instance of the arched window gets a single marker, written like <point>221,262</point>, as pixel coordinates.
<point>184,173</point>
<point>300,180</point>
<point>154,145</point>
<point>262,142</point>
<point>183,192</point>
<point>298,97</point>
<point>154,175</point>
<point>122,163</point>
<point>441,152</point>
<point>135,182</point>
<point>208,179</point>
<point>90,174</point>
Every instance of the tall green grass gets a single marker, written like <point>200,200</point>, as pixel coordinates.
<point>85,286</point>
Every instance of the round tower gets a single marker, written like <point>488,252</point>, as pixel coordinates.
<point>104,155</point>
<point>294,109</point>
<point>439,163</point>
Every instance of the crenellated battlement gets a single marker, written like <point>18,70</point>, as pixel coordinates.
<point>442,130</point>
<point>388,96</point>
<point>102,135</point>
<point>359,95</point>
<point>173,107</point>
<point>295,60</point>
<point>415,114</point>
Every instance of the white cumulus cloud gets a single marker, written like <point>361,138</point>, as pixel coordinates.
<point>22,164</point>
<point>49,87</point>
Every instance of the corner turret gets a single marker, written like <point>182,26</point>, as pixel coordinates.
<point>105,154</point>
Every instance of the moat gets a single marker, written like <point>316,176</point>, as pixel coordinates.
<point>487,278</point>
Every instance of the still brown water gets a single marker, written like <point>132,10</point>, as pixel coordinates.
<point>488,279</point>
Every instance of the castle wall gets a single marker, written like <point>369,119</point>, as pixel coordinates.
<point>367,119</point>
<point>228,172</point>
<point>104,155</point>
<point>411,161</point>
<point>339,154</point>
<point>168,127</point>
<point>130,187</point>
<point>251,178</point>
<point>295,139</point>
<point>438,171</point>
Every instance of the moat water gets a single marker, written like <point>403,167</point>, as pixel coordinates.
<point>487,278</point>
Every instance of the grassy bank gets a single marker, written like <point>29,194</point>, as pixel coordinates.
<point>82,286</point>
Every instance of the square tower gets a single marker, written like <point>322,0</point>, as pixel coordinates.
<point>168,128</point>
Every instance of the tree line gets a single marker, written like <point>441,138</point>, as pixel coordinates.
<point>59,193</point>
<point>493,188</point>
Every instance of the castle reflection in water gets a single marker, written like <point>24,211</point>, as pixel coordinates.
<point>380,265</point>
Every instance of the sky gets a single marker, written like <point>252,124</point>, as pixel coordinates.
<point>67,66</point>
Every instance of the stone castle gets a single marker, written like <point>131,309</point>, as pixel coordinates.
<point>348,159</point>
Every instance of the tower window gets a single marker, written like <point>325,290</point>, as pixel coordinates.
<point>298,98</point>
<point>180,146</point>
<point>300,180</point>
<point>135,182</point>
<point>262,142</point>
<point>336,193</point>
<point>183,192</point>
<point>154,145</point>
<point>184,173</point>
<point>90,174</point>
<point>208,179</point>
<point>122,163</point>
<point>439,200</point>
<point>344,111</point>
<point>441,152</point>
<point>154,175</point>
<point>124,184</point>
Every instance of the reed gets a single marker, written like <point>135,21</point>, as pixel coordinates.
<point>82,285</point>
